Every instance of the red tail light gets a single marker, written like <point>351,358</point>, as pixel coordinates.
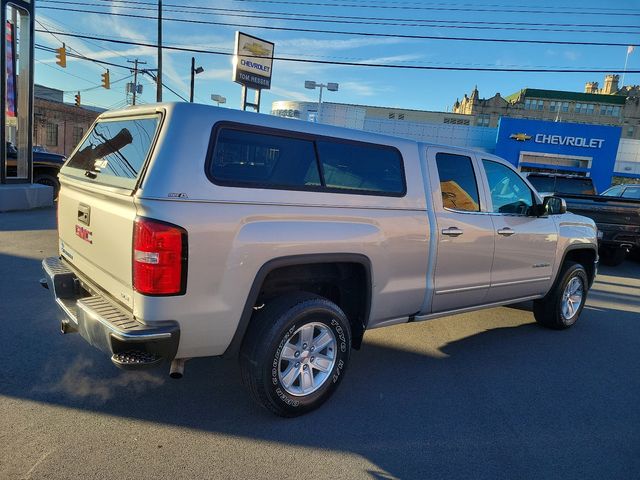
<point>159,258</point>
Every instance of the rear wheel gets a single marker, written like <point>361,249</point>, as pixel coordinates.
<point>295,353</point>
<point>562,306</point>
<point>48,179</point>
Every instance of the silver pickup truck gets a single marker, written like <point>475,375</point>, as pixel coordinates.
<point>189,231</point>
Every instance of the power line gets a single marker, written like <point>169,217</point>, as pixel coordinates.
<point>365,34</point>
<point>340,19</point>
<point>439,4</point>
<point>362,64</point>
<point>467,8</point>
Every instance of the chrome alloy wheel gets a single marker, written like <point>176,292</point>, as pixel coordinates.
<point>307,359</point>
<point>572,298</point>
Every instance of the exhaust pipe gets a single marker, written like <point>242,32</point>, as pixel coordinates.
<point>177,368</point>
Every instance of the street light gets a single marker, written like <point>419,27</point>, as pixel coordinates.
<point>194,72</point>
<point>311,85</point>
<point>218,98</point>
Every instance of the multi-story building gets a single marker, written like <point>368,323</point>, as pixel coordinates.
<point>610,105</point>
<point>57,126</point>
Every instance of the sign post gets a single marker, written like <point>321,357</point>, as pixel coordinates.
<point>252,67</point>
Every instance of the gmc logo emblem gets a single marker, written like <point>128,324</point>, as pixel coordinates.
<point>84,234</point>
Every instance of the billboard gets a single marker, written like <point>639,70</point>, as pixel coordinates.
<point>581,148</point>
<point>252,62</point>
<point>11,71</point>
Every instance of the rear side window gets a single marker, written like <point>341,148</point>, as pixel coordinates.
<point>457,182</point>
<point>264,160</point>
<point>276,160</point>
<point>361,167</point>
<point>114,152</point>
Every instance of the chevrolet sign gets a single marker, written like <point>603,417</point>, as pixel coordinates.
<point>520,137</point>
<point>252,63</point>
<point>568,141</point>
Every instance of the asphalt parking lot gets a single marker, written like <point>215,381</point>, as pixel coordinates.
<point>482,395</point>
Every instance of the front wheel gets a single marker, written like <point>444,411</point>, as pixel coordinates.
<point>562,306</point>
<point>295,353</point>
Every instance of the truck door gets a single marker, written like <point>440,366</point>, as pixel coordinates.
<point>465,238</point>
<point>525,245</point>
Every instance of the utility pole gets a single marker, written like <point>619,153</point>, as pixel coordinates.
<point>194,71</point>
<point>159,75</point>
<point>193,68</point>
<point>135,62</point>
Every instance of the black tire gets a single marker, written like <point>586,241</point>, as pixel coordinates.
<point>48,179</point>
<point>548,311</point>
<point>612,256</point>
<point>270,330</point>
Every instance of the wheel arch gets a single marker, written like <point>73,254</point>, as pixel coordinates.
<point>586,255</point>
<point>311,264</point>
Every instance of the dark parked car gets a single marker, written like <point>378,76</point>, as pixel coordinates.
<point>46,166</point>
<point>616,211</point>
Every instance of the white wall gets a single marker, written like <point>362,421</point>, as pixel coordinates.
<point>628,157</point>
<point>481,138</point>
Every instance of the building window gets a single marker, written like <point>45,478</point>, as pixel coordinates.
<point>565,107</point>
<point>630,131</point>
<point>590,108</point>
<point>52,134</point>
<point>483,120</point>
<point>530,104</point>
<point>554,106</point>
<point>610,110</point>
<point>456,121</point>
<point>77,135</point>
<point>578,108</point>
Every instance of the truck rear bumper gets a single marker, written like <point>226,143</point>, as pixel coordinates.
<point>131,343</point>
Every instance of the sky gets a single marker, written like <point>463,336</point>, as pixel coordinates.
<point>392,87</point>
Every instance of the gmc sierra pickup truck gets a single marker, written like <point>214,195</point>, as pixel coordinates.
<point>189,231</point>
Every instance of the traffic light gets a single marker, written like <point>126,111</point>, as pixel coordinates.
<point>106,82</point>
<point>78,99</point>
<point>61,56</point>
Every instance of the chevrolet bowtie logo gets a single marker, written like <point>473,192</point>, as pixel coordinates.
<point>520,137</point>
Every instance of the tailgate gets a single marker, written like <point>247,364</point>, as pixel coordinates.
<point>95,232</point>
<point>96,208</point>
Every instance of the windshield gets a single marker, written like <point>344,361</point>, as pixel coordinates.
<point>114,152</point>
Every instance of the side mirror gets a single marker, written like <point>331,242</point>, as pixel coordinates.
<point>554,205</point>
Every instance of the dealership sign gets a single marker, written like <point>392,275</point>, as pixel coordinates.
<point>555,146</point>
<point>253,61</point>
<point>567,140</point>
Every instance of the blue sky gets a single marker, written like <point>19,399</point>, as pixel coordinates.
<point>417,89</point>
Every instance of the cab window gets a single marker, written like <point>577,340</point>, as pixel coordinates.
<point>509,193</point>
<point>632,192</point>
<point>457,182</point>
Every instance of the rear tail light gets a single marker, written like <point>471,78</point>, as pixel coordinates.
<point>159,258</point>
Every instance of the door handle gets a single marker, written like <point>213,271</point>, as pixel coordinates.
<point>452,231</point>
<point>506,232</point>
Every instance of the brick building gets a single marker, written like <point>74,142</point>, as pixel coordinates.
<point>58,126</point>
<point>610,105</point>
